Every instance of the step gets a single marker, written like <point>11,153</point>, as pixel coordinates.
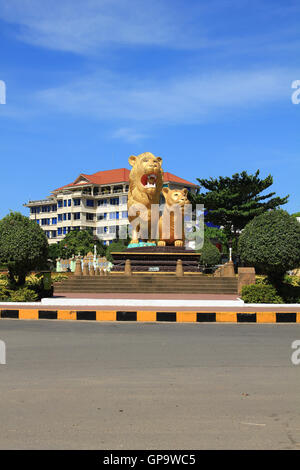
<point>181,291</point>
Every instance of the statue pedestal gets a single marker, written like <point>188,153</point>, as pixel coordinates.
<point>149,259</point>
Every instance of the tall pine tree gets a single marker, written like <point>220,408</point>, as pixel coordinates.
<point>232,202</point>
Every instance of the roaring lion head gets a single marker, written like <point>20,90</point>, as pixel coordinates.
<point>145,179</point>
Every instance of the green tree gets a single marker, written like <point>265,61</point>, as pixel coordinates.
<point>232,202</point>
<point>271,243</point>
<point>79,241</point>
<point>213,233</point>
<point>53,251</point>
<point>118,245</point>
<point>23,246</point>
<point>210,255</point>
<point>210,234</point>
<point>296,214</point>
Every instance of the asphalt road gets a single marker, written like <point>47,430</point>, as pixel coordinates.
<point>81,385</point>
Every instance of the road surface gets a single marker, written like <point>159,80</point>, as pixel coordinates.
<point>83,385</point>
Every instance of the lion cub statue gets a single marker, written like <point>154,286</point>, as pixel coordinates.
<point>171,222</point>
<point>145,185</point>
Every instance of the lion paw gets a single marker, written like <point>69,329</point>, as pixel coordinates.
<point>178,243</point>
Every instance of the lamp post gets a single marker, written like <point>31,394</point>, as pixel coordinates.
<point>230,250</point>
<point>95,250</point>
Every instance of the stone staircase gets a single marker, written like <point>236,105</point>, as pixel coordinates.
<point>144,283</point>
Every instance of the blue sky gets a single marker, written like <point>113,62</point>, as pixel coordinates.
<point>206,85</point>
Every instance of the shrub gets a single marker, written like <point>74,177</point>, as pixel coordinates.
<point>290,293</point>
<point>271,243</point>
<point>119,245</point>
<point>23,295</point>
<point>23,246</point>
<point>292,280</point>
<point>260,293</point>
<point>4,293</point>
<point>59,277</point>
<point>210,255</point>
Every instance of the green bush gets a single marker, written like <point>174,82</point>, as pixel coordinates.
<point>23,246</point>
<point>119,245</point>
<point>4,293</point>
<point>290,293</point>
<point>260,293</point>
<point>23,295</point>
<point>59,277</point>
<point>210,255</point>
<point>271,243</point>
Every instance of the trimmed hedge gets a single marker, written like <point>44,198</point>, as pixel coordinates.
<point>260,293</point>
<point>271,243</point>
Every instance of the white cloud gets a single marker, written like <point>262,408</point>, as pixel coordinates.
<point>180,99</point>
<point>128,134</point>
<point>88,25</point>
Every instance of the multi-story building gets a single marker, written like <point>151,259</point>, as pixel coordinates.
<point>97,202</point>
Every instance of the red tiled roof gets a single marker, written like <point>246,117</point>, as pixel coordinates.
<point>170,178</point>
<point>120,175</point>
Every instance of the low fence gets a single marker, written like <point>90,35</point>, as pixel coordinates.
<point>87,263</point>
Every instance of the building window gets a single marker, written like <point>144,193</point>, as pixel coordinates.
<point>65,216</point>
<point>59,217</point>
<point>124,214</point>
<point>114,201</point>
<point>69,202</point>
<point>90,202</point>
<point>54,220</point>
<point>64,230</point>
<point>102,216</point>
<point>38,221</point>
<point>124,200</point>
<point>112,229</point>
<point>112,215</point>
<point>77,202</point>
<point>102,202</point>
<point>69,215</point>
<point>89,216</point>
<point>59,203</point>
<point>54,207</point>
<point>53,233</point>
<point>34,210</point>
<point>59,231</point>
<point>76,215</point>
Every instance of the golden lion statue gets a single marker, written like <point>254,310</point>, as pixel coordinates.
<point>145,185</point>
<point>171,222</point>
